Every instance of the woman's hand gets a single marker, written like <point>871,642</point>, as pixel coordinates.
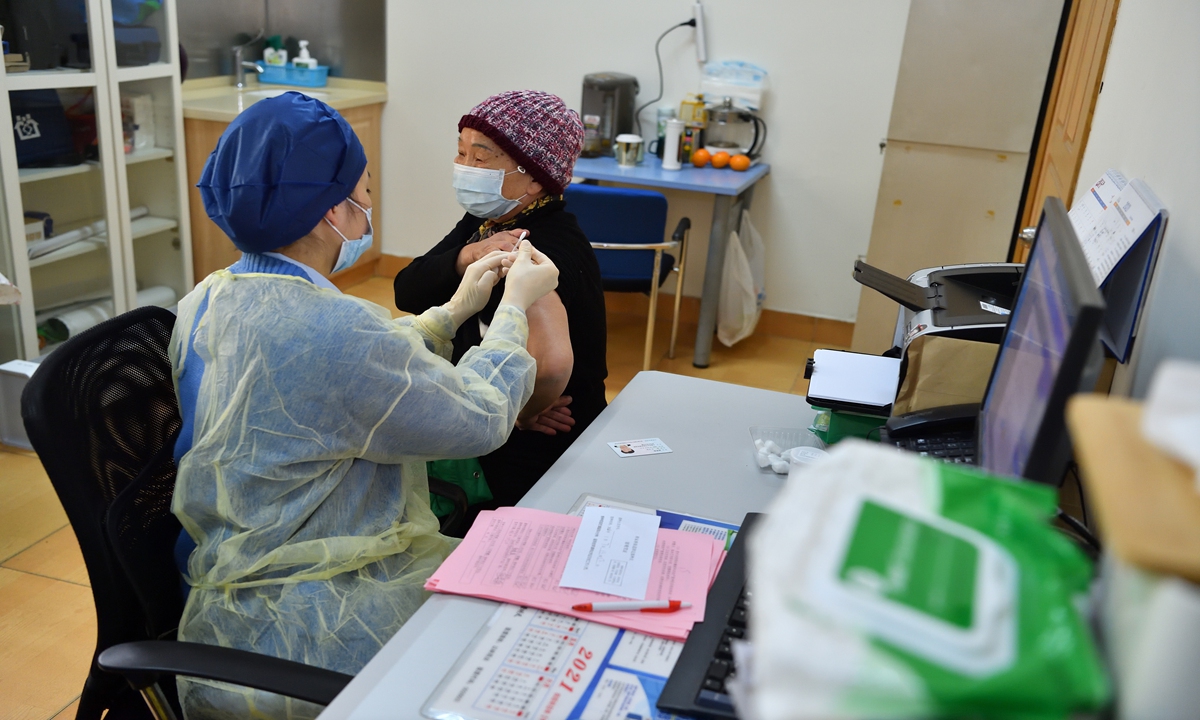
<point>477,283</point>
<point>506,241</point>
<point>531,276</point>
<point>551,421</point>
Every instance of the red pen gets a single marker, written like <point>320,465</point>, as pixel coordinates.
<point>663,606</point>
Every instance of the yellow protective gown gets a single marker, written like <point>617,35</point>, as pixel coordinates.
<point>305,487</point>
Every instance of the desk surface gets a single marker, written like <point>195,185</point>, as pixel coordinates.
<point>710,472</point>
<point>650,173</point>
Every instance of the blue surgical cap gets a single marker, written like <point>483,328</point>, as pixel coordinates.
<point>277,169</point>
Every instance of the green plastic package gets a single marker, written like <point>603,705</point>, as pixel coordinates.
<point>892,586</point>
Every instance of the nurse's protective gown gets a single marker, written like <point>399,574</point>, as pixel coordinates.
<point>305,486</point>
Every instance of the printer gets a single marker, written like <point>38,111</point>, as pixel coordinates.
<point>970,302</point>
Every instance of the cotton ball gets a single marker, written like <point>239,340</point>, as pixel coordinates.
<point>760,444</point>
<point>763,460</point>
<point>773,448</point>
<point>780,465</point>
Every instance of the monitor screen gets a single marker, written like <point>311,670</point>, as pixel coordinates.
<point>1028,362</point>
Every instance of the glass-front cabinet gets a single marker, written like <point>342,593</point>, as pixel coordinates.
<point>93,178</point>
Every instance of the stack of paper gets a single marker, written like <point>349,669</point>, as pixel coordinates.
<point>518,555</point>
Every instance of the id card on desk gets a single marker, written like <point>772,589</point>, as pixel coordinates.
<point>635,448</point>
<point>528,663</point>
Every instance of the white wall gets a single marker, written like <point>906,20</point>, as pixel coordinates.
<point>833,69</point>
<point>1146,125</point>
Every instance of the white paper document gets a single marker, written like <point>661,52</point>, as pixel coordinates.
<point>1109,218</point>
<point>528,663</point>
<point>612,552</point>
<point>854,378</point>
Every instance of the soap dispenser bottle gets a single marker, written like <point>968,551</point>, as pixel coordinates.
<point>303,59</point>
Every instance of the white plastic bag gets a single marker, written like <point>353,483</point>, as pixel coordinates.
<point>743,285</point>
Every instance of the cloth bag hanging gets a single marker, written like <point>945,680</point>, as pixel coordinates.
<point>743,284</point>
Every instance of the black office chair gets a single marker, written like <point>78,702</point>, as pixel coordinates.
<point>102,415</point>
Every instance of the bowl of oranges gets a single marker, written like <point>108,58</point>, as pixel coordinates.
<point>721,159</point>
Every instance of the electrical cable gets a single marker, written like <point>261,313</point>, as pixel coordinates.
<point>1079,529</point>
<point>637,114</point>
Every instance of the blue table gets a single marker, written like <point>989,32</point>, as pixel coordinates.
<point>731,191</point>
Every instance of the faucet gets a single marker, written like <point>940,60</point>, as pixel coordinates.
<point>240,66</point>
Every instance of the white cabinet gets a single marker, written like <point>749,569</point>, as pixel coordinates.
<point>130,194</point>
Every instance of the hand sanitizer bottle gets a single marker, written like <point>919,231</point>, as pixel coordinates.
<point>304,59</point>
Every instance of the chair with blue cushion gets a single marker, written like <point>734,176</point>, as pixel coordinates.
<point>626,229</point>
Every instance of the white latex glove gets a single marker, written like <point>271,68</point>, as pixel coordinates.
<point>477,283</point>
<point>531,276</point>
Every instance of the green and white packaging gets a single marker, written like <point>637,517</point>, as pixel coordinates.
<point>886,585</point>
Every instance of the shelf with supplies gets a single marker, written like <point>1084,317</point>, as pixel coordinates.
<point>157,153</point>
<point>138,228</point>
<point>130,97</point>
<point>28,175</point>
<point>55,79</point>
<point>144,72</point>
<point>76,248</point>
<point>150,225</point>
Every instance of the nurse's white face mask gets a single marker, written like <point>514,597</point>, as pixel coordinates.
<point>352,250</point>
<point>479,191</point>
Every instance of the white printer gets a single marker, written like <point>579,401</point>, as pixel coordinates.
<point>970,302</point>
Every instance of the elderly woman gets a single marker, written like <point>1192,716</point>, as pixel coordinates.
<point>308,415</point>
<point>516,151</point>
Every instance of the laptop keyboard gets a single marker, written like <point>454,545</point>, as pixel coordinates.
<point>957,447</point>
<point>713,692</point>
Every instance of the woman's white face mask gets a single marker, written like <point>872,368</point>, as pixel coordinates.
<point>479,191</point>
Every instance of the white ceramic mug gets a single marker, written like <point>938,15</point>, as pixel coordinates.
<point>628,149</point>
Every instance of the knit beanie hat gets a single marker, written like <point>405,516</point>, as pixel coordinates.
<point>536,128</point>
<point>278,167</point>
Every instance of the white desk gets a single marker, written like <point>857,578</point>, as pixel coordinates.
<point>711,472</point>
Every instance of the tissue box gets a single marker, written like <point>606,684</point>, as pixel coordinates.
<point>14,376</point>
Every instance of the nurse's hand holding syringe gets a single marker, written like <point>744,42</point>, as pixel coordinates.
<point>476,286</point>
<point>531,276</point>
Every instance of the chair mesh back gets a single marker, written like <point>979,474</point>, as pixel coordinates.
<point>102,415</point>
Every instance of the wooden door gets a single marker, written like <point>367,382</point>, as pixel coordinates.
<point>1068,118</point>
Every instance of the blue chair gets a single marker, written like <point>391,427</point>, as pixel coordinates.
<point>626,229</point>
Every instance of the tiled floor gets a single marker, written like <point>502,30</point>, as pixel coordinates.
<point>47,621</point>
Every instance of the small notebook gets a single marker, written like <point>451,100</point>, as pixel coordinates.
<point>853,381</point>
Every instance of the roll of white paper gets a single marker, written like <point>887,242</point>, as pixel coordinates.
<point>160,295</point>
<point>80,319</point>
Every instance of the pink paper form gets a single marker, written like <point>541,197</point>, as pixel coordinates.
<point>517,555</point>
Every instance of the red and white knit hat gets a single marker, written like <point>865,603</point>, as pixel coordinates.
<point>536,128</point>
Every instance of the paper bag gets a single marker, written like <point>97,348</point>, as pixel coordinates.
<point>944,371</point>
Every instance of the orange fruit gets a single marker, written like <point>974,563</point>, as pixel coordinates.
<point>720,160</point>
<point>701,157</point>
<point>741,163</point>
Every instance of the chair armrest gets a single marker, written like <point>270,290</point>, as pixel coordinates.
<point>681,230</point>
<point>143,663</point>
<point>635,246</point>
<point>450,524</point>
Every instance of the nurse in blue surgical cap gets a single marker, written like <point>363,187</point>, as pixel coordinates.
<point>308,415</point>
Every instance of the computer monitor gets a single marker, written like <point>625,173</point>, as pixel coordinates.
<point>1043,357</point>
